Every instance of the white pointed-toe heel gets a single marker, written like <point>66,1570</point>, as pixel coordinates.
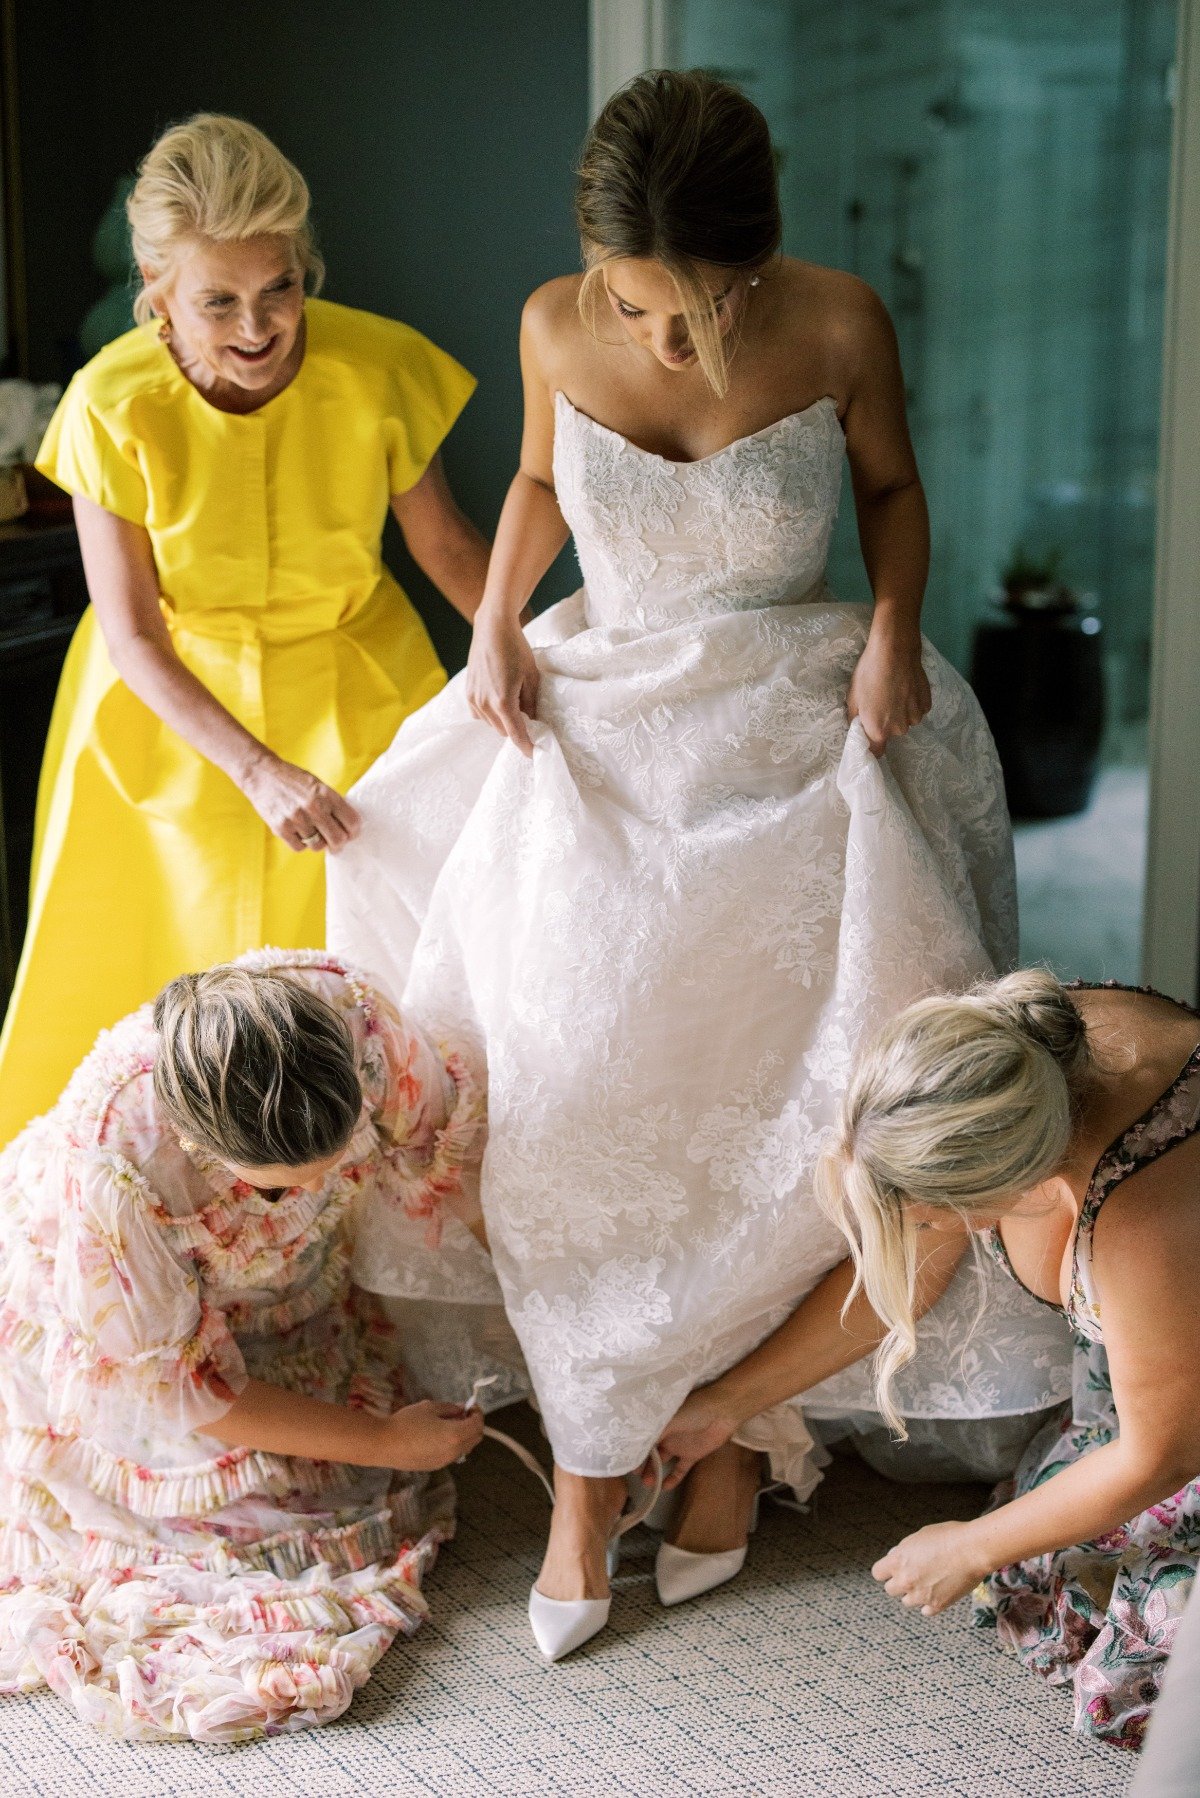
<point>681,1573</point>
<point>561,1625</point>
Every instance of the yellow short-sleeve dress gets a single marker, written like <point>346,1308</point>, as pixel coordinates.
<point>266,533</point>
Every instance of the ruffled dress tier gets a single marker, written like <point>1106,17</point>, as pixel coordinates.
<point>159,1583</point>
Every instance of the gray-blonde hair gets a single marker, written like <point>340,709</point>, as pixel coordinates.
<point>962,1102</point>
<point>255,1067</point>
<point>678,169</point>
<point>219,178</point>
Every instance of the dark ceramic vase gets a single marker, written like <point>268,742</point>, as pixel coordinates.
<point>1039,677</point>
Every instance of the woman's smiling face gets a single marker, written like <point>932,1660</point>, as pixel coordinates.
<point>235,311</point>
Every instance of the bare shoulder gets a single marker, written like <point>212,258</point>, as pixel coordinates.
<point>1148,1229</point>
<point>828,299</point>
<point>550,317</point>
<point>832,322</point>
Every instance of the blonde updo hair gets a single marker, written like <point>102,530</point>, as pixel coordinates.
<point>255,1068</point>
<point>679,169</point>
<point>218,178</point>
<point>963,1103</point>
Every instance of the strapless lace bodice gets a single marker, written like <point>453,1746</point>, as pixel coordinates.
<point>660,542</point>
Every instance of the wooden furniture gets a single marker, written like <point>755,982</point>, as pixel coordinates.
<point>42,596</point>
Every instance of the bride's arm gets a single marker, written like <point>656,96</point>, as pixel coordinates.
<point>889,691</point>
<point>814,1343</point>
<point>502,675</point>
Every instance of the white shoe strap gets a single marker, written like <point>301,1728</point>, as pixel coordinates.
<point>627,1521</point>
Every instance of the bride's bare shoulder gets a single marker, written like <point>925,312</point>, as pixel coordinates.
<point>829,306</point>
<point>550,320</point>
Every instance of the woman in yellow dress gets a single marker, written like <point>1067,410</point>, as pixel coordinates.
<point>246,655</point>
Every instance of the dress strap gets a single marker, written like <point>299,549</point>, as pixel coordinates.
<point>1171,1119</point>
<point>627,1521</point>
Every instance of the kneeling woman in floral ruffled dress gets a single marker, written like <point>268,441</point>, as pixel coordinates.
<point>216,1510</point>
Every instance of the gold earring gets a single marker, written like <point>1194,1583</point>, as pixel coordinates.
<point>164,328</point>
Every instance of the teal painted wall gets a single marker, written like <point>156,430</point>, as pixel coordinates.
<point>438,137</point>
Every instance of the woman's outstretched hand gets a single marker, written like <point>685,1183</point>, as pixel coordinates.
<point>698,1427</point>
<point>502,677</point>
<point>889,689</point>
<point>298,807</point>
<point>932,1568</point>
<point>425,1436</point>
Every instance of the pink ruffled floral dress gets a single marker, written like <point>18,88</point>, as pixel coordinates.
<point>161,1584</point>
<point>1102,1617</point>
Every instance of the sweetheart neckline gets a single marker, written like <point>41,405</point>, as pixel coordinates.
<point>674,462</point>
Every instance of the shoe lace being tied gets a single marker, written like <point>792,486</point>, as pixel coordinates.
<point>628,1519</point>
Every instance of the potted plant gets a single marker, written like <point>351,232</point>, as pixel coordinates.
<point>1033,583</point>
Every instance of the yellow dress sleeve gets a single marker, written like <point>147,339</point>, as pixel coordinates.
<point>87,453</point>
<point>426,391</point>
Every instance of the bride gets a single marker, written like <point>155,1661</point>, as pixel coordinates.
<point>659,862</point>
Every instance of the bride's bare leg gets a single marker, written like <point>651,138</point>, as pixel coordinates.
<point>584,1513</point>
<point>715,1501</point>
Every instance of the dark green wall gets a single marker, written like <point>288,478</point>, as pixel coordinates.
<point>438,137</point>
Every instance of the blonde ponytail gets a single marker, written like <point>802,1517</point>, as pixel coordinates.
<point>962,1103</point>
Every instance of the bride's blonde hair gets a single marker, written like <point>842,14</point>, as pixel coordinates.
<point>963,1103</point>
<point>219,178</point>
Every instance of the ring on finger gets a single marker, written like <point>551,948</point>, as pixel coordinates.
<point>312,839</point>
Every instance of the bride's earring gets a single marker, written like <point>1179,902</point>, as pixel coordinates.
<point>164,328</point>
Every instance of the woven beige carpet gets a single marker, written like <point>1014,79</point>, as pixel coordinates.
<point>801,1678</point>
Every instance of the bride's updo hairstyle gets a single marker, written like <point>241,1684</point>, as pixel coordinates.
<point>962,1103</point>
<point>679,169</point>
<point>218,178</point>
<point>255,1068</point>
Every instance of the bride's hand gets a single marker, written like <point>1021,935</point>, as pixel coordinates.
<point>889,690</point>
<point>700,1425</point>
<point>502,677</point>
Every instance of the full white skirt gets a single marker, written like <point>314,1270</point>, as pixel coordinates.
<point>661,938</point>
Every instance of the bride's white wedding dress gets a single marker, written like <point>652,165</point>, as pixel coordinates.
<point>662,936</point>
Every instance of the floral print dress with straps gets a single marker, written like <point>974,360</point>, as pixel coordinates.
<point>1102,1616</point>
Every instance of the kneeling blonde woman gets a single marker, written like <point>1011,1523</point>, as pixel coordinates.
<point>1061,1128</point>
<point>215,1492</point>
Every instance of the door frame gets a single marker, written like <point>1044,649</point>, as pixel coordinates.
<point>627,36</point>
<point>1171,929</point>
<point>624,37</point>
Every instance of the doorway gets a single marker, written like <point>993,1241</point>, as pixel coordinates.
<point>1000,174</point>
